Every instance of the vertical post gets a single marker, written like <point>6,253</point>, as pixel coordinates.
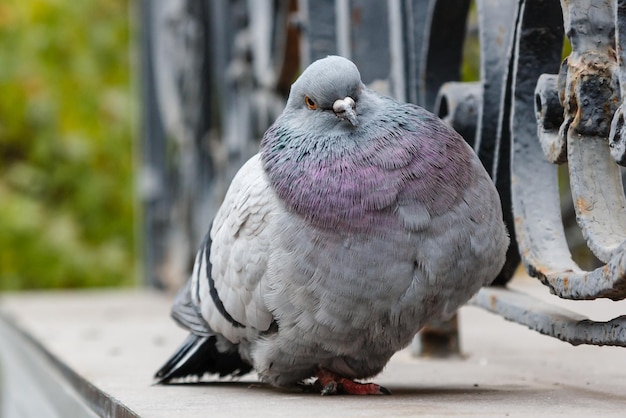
<point>152,177</point>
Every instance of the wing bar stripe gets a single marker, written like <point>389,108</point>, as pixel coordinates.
<point>213,291</point>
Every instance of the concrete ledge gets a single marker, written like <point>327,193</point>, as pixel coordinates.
<point>37,384</point>
<point>113,341</point>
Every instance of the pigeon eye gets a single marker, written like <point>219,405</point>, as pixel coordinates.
<point>310,103</point>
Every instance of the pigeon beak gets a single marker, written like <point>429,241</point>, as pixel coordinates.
<point>345,109</point>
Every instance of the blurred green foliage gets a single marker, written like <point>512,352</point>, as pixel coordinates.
<point>66,188</point>
<point>470,65</point>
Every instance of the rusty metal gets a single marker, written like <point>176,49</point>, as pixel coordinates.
<point>617,135</point>
<point>529,112</point>
<point>551,320</point>
<point>586,88</point>
<point>590,98</point>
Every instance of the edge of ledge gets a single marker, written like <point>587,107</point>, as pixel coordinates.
<point>58,385</point>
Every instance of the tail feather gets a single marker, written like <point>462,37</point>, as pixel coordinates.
<point>199,355</point>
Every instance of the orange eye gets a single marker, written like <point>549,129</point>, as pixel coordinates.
<point>310,103</point>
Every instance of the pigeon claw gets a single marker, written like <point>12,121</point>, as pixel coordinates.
<point>333,384</point>
<point>331,388</point>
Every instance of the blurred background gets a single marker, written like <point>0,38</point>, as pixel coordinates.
<point>122,122</point>
<point>67,135</point>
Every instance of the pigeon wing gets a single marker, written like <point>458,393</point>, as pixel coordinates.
<point>224,294</point>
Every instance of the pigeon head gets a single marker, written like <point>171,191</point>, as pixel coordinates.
<point>326,93</point>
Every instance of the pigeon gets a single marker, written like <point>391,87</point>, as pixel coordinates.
<point>360,219</point>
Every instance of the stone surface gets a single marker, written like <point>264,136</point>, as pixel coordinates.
<point>118,339</point>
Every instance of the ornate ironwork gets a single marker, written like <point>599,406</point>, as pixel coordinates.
<point>228,65</point>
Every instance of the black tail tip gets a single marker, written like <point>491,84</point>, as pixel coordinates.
<point>198,356</point>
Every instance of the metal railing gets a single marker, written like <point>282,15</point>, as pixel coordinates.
<point>217,73</point>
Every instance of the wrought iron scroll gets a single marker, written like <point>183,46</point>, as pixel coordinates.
<point>588,89</point>
<point>565,118</point>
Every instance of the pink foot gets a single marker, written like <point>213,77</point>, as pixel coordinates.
<point>332,384</point>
